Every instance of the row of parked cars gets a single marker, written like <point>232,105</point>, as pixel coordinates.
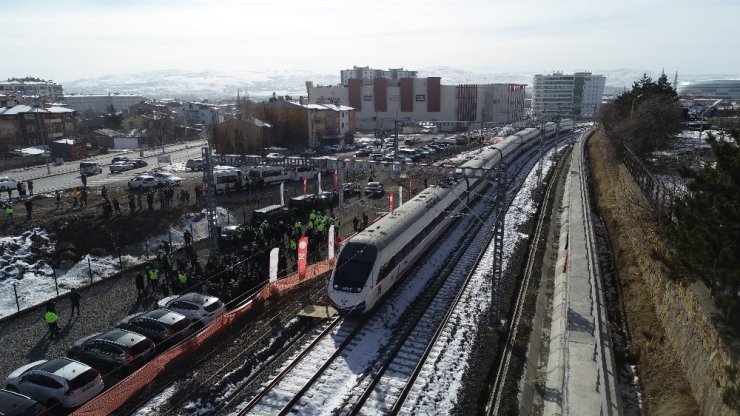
<point>73,380</point>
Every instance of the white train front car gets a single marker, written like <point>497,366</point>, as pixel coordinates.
<point>370,263</point>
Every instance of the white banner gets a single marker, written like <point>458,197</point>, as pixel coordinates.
<point>331,241</point>
<point>319,182</point>
<point>273,264</point>
<point>282,193</point>
<point>400,196</point>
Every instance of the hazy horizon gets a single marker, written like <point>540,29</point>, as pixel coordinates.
<point>88,38</point>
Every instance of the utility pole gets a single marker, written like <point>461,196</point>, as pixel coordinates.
<point>210,195</point>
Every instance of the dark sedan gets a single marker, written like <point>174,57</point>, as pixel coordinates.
<point>114,350</point>
<point>163,326</point>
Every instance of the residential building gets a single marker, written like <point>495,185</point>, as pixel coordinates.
<point>46,91</point>
<point>205,114</point>
<point>101,103</point>
<point>367,74</point>
<point>449,107</point>
<point>24,126</point>
<point>241,137</point>
<point>558,94</point>
<point>299,125</point>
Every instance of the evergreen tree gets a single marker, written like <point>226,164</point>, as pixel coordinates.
<point>705,233</point>
<point>644,117</point>
<point>113,119</point>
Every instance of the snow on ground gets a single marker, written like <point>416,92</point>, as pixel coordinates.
<point>24,262</point>
<point>443,371</point>
<point>153,405</point>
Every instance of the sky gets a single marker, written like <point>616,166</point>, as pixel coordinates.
<point>77,39</point>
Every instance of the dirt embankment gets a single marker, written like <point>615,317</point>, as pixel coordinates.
<point>665,387</point>
<point>681,359</point>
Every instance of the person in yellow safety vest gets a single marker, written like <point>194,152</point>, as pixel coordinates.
<point>182,277</point>
<point>293,245</point>
<point>337,223</point>
<point>239,234</point>
<point>51,318</point>
<point>154,279</point>
<point>9,214</point>
<point>309,226</point>
<point>312,216</point>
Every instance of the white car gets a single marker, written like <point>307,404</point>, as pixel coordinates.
<point>374,188</point>
<point>7,182</point>
<point>195,306</point>
<point>143,182</point>
<point>121,166</point>
<point>62,381</point>
<point>274,156</point>
<point>166,178</point>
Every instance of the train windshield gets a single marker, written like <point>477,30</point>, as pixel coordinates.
<point>354,265</point>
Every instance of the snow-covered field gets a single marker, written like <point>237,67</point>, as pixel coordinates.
<point>25,268</point>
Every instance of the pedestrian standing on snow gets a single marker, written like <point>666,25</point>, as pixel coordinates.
<point>131,204</point>
<point>9,214</point>
<point>74,298</point>
<point>104,192</point>
<point>83,197</point>
<point>58,198</point>
<point>83,178</point>
<point>29,208</point>
<point>19,188</point>
<point>30,186</point>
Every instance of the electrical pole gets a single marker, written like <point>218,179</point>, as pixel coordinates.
<point>210,195</point>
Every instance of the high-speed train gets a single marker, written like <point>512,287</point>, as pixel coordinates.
<point>371,262</point>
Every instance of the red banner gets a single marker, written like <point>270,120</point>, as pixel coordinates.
<point>305,185</point>
<point>390,201</point>
<point>302,256</point>
<point>336,179</point>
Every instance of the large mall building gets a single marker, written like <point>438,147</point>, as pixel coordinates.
<point>380,97</point>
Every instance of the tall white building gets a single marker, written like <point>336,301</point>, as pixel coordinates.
<point>100,103</point>
<point>561,94</point>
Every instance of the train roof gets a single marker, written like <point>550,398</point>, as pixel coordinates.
<point>392,225</point>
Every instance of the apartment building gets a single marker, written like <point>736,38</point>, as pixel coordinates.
<point>101,103</point>
<point>559,94</point>
<point>47,91</point>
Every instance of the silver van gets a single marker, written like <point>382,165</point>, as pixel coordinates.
<point>90,168</point>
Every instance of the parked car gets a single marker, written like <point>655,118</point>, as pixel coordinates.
<point>114,350</point>
<point>61,381</point>
<point>327,199</point>
<point>90,168</point>
<point>7,182</point>
<point>143,182</point>
<point>16,404</point>
<point>166,178</point>
<point>362,153</point>
<point>302,204</point>
<point>119,159</point>
<point>351,189</point>
<point>376,156</point>
<point>121,166</point>
<point>163,326</point>
<point>194,164</point>
<point>275,156</point>
<point>374,188</point>
<point>139,163</point>
<point>308,152</point>
<point>198,308</point>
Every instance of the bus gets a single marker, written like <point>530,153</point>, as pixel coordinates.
<point>267,174</point>
<point>228,180</point>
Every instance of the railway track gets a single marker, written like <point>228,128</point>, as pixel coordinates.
<point>301,385</point>
<point>325,351</point>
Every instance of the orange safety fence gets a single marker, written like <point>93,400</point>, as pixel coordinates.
<point>123,391</point>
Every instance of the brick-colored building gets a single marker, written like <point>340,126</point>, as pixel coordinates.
<point>25,126</point>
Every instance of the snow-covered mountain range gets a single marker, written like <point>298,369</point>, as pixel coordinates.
<point>185,84</point>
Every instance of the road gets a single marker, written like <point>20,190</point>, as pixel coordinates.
<point>67,175</point>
